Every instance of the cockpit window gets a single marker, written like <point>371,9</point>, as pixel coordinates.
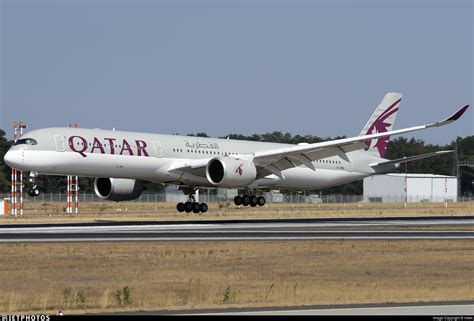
<point>27,141</point>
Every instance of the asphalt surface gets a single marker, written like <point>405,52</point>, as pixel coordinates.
<point>435,308</point>
<point>404,228</point>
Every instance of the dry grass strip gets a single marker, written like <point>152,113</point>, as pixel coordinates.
<point>91,277</point>
<point>127,211</point>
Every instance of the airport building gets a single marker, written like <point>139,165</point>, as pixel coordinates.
<point>389,188</point>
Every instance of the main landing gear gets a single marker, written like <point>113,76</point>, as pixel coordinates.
<point>191,205</point>
<point>249,200</point>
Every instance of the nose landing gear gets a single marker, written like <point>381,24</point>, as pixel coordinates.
<point>34,191</point>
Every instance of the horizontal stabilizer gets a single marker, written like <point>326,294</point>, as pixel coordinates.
<point>395,162</point>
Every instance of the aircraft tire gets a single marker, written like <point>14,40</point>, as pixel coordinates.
<point>34,192</point>
<point>188,207</point>
<point>245,200</point>
<point>253,201</point>
<point>196,207</point>
<point>238,200</point>
<point>203,207</point>
<point>180,207</point>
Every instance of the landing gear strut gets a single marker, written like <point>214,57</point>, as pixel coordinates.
<point>191,205</point>
<point>249,200</point>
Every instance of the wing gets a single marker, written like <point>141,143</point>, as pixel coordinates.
<point>276,160</point>
<point>193,166</point>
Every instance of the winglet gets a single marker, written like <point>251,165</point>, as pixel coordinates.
<point>458,114</point>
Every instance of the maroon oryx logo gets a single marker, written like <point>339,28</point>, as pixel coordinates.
<point>239,170</point>
<point>380,125</point>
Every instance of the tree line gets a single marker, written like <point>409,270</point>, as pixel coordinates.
<point>397,148</point>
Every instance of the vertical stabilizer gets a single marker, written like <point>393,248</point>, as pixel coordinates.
<point>382,121</point>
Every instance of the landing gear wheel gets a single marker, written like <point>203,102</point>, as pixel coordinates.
<point>238,200</point>
<point>196,207</point>
<point>245,200</point>
<point>34,192</point>
<point>203,207</point>
<point>253,201</point>
<point>261,201</point>
<point>188,207</point>
<point>180,207</point>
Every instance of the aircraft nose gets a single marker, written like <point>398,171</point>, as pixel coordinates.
<point>13,158</point>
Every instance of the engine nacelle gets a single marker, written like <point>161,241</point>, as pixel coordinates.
<point>117,189</point>
<point>230,172</point>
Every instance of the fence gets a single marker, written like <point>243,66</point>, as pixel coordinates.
<point>281,198</point>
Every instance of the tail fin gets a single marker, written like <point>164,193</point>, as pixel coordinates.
<point>381,121</point>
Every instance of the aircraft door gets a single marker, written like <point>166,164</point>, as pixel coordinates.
<point>60,144</point>
<point>158,149</point>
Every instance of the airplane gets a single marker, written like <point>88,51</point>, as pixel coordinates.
<point>120,161</point>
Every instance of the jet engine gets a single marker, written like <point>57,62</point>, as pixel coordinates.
<point>230,172</point>
<point>117,189</point>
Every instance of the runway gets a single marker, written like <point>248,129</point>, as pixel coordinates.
<point>433,309</point>
<point>404,228</point>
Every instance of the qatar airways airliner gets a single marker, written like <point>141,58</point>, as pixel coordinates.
<point>120,161</point>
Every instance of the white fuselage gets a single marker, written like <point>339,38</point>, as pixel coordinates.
<point>152,157</point>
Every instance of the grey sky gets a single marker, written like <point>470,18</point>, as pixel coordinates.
<point>306,67</point>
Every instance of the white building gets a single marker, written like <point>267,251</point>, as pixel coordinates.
<point>415,187</point>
